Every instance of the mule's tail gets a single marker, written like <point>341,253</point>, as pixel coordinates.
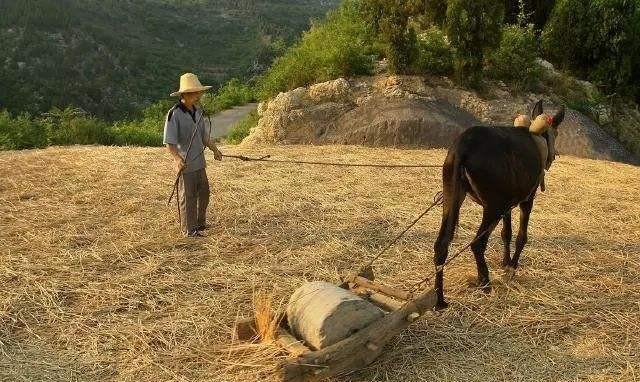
<point>453,192</point>
<point>455,185</point>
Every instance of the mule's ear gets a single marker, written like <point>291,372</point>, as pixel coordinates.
<point>537,110</point>
<point>559,117</point>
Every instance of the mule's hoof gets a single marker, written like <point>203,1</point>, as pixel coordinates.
<point>475,283</point>
<point>509,272</point>
<point>484,286</point>
<point>441,305</point>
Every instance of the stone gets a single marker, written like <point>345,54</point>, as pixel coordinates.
<point>323,314</point>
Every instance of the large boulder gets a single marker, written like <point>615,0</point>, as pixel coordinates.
<point>413,111</point>
<point>582,137</point>
<point>403,122</point>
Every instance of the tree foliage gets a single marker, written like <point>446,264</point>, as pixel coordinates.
<point>474,29</point>
<point>390,19</point>
<point>514,60</point>
<point>598,40</point>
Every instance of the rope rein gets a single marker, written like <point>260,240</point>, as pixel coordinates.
<point>438,200</point>
<point>267,158</point>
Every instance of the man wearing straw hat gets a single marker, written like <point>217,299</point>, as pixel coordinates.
<point>186,135</point>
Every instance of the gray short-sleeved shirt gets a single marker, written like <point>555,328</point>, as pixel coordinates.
<point>178,129</point>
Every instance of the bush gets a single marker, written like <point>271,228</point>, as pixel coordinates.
<point>514,61</point>
<point>21,132</point>
<point>341,45</point>
<point>72,126</point>
<point>598,40</point>
<point>474,29</point>
<point>390,19</point>
<point>233,93</point>
<point>434,53</point>
<point>242,129</point>
<point>137,133</point>
<point>57,127</point>
<point>142,132</point>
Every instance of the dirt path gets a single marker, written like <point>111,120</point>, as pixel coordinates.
<point>225,120</point>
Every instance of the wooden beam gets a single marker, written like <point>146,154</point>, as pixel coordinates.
<point>389,291</point>
<point>358,350</point>
<point>291,344</point>
<point>384,302</point>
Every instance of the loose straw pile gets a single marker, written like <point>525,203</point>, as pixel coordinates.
<point>97,284</point>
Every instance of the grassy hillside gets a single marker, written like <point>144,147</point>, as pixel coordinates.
<point>98,284</point>
<point>111,57</point>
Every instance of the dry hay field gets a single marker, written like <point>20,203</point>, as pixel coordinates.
<point>97,284</point>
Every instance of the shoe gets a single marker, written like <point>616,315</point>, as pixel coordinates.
<point>195,233</point>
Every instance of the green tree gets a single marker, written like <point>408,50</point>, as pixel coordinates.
<point>598,40</point>
<point>433,13</point>
<point>391,19</point>
<point>474,29</point>
<point>514,61</point>
<point>537,12</point>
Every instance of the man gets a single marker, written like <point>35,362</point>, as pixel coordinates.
<point>186,134</point>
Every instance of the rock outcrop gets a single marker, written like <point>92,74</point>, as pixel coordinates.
<point>410,111</point>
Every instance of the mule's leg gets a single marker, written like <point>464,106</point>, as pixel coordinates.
<point>490,219</point>
<point>441,250</point>
<point>521,240</point>
<point>506,238</point>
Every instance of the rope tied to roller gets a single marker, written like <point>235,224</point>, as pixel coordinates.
<point>437,200</point>
<point>440,268</point>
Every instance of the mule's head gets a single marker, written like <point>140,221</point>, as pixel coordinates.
<point>550,130</point>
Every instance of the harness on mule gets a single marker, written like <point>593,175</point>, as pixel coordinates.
<point>541,137</point>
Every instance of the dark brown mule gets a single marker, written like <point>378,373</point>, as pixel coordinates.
<point>500,168</point>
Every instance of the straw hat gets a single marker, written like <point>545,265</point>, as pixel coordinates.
<point>189,83</point>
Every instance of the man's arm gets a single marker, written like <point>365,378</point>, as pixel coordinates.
<point>206,139</point>
<point>171,140</point>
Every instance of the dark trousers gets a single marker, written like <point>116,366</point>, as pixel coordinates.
<point>193,193</point>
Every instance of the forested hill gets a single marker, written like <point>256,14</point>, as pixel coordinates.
<point>110,57</point>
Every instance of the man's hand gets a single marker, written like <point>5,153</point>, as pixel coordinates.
<point>217,155</point>
<point>177,158</point>
<point>179,163</point>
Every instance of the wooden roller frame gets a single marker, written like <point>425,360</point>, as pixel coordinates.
<point>358,350</point>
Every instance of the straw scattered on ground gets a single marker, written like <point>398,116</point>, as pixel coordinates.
<point>97,284</point>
